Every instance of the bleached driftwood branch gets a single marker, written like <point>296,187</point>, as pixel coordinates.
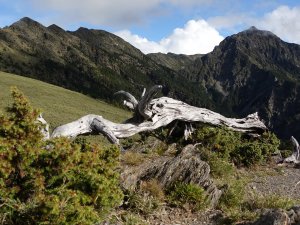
<point>295,157</point>
<point>150,114</point>
<point>44,129</point>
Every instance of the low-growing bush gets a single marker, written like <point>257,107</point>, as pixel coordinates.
<point>192,195</point>
<point>273,201</point>
<point>132,219</point>
<point>235,147</point>
<point>54,182</point>
<point>233,194</point>
<point>237,206</point>
<point>232,202</point>
<point>219,167</point>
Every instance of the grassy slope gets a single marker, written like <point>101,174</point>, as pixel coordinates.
<point>58,104</point>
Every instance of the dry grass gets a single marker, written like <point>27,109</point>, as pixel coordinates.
<point>132,158</point>
<point>153,188</point>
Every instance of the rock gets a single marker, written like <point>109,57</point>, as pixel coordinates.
<point>273,217</point>
<point>186,167</point>
<point>294,214</point>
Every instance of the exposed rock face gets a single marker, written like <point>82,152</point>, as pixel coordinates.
<point>252,71</point>
<point>279,217</point>
<point>273,217</point>
<point>186,167</point>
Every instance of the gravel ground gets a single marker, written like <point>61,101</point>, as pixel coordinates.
<point>283,180</point>
<point>286,182</point>
<point>183,217</point>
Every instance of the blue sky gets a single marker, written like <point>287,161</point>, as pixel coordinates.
<point>179,26</point>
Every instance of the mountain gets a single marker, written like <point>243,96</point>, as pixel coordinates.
<point>174,61</point>
<point>94,62</point>
<point>253,70</point>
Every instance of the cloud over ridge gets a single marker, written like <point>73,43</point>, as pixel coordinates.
<point>196,37</point>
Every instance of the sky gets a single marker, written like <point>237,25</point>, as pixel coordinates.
<point>177,26</point>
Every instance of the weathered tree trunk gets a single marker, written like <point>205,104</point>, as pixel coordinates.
<point>150,114</point>
<point>295,157</point>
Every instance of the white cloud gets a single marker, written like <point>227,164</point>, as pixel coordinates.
<point>141,43</point>
<point>194,38</point>
<point>227,21</point>
<point>112,12</point>
<point>284,22</point>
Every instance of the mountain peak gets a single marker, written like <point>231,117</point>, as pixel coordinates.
<point>56,28</point>
<point>252,28</point>
<point>27,22</point>
<point>255,31</point>
<point>30,21</point>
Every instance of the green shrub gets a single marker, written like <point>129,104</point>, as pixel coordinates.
<point>187,194</point>
<point>219,167</point>
<point>234,147</point>
<point>247,154</point>
<point>132,219</point>
<point>222,141</point>
<point>54,182</point>
<point>273,201</point>
<point>233,194</point>
<point>232,203</point>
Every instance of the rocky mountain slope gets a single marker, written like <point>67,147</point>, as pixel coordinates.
<point>255,71</point>
<point>93,62</point>
<point>251,71</point>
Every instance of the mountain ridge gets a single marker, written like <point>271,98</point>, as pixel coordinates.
<point>76,61</point>
<point>249,71</point>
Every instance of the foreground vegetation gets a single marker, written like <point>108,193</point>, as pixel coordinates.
<point>74,182</point>
<point>52,182</point>
<point>233,159</point>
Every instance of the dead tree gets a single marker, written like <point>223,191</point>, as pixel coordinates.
<point>150,114</point>
<point>295,157</point>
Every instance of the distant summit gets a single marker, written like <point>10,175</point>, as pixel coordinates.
<point>56,28</point>
<point>26,21</point>
<point>255,31</point>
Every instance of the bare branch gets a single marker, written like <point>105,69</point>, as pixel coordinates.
<point>143,93</point>
<point>188,131</point>
<point>295,157</point>
<point>44,128</point>
<point>99,126</point>
<point>129,97</point>
<point>164,111</point>
<point>143,106</point>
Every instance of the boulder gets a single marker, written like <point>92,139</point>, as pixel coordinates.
<point>186,167</point>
